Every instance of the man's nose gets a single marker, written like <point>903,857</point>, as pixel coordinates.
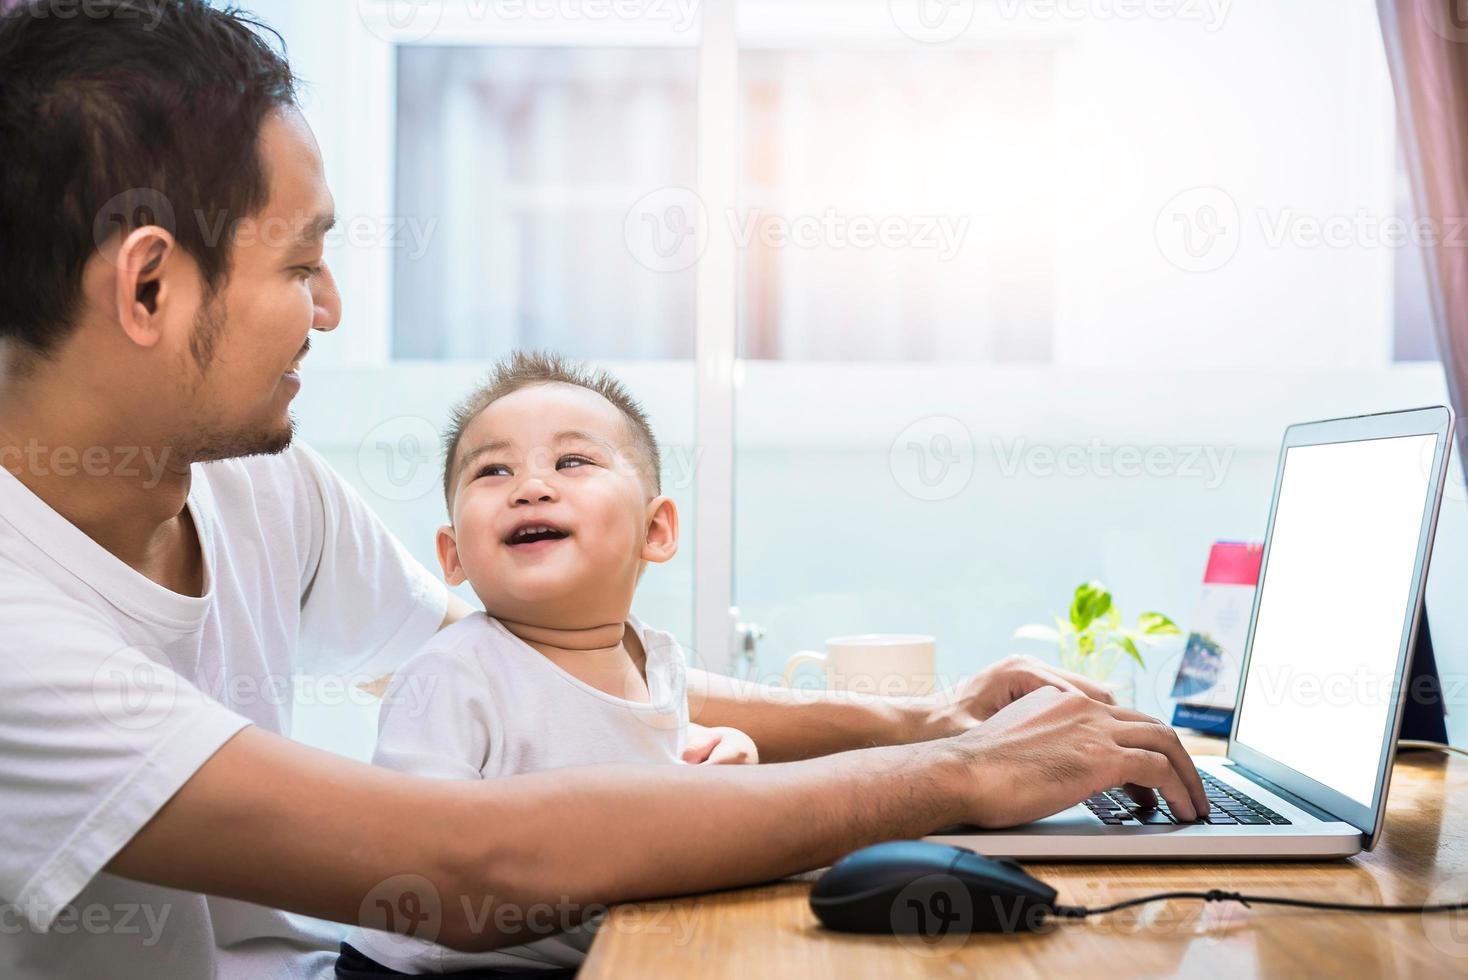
<point>327,300</point>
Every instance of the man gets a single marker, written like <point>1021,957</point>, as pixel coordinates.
<point>168,560</point>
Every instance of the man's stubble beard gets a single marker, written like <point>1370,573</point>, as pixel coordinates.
<point>205,443</point>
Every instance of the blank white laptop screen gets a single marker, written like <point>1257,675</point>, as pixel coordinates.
<point>1335,597</point>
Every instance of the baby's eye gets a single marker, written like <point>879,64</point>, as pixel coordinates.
<point>570,461</point>
<point>493,469</point>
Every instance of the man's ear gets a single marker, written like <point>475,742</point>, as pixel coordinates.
<point>662,530</point>
<point>448,556</point>
<point>146,274</point>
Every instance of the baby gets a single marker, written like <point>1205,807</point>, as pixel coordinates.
<point>554,497</point>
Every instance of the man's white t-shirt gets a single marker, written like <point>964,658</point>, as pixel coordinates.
<point>479,703</point>
<point>114,690</point>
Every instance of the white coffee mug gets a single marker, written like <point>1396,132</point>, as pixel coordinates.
<point>888,664</point>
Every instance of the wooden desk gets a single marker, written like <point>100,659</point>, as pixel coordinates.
<point>769,932</point>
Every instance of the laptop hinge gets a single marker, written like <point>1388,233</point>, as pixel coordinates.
<point>1285,794</point>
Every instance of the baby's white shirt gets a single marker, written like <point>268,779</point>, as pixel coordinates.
<point>477,702</point>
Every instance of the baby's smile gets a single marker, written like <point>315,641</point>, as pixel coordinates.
<point>529,533</point>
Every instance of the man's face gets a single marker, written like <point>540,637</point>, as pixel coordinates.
<point>244,351</point>
<point>552,517</point>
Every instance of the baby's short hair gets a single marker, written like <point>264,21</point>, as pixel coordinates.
<point>526,369</point>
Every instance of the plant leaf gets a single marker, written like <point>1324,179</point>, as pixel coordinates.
<point>1156,624</point>
<point>1131,647</point>
<point>1036,631</point>
<point>1091,600</point>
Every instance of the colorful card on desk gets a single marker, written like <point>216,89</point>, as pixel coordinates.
<point>1208,678</point>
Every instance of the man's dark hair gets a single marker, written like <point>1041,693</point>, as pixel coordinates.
<point>117,115</point>
<point>526,369</point>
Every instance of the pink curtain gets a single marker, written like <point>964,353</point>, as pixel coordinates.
<point>1427,49</point>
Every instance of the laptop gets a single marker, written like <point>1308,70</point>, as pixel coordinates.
<point>1331,635</point>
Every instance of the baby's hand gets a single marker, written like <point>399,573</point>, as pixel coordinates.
<point>719,747</point>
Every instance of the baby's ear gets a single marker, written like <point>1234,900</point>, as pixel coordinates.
<point>662,530</point>
<point>448,556</point>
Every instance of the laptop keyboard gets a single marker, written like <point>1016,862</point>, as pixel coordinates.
<point>1229,807</point>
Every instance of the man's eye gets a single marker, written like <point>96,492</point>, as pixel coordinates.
<point>569,461</point>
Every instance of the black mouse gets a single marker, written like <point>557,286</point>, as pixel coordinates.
<point>927,889</point>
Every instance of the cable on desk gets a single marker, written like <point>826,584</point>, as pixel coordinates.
<point>1218,895</point>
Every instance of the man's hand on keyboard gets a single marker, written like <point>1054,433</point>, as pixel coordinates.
<point>1051,749</point>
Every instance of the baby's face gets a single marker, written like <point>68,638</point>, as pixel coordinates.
<point>553,517</point>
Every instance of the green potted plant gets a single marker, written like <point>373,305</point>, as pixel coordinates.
<point>1092,641</point>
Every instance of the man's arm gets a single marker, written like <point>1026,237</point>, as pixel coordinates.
<point>788,724</point>
<point>457,610</point>
<point>269,821</point>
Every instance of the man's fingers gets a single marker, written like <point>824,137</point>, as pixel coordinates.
<point>1142,794</point>
<point>1085,685</point>
<point>1038,675</point>
<point>1154,736</point>
<point>1147,768</point>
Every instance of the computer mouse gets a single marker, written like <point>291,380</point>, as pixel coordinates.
<point>928,889</point>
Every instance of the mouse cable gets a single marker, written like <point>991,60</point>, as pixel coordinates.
<point>1218,895</point>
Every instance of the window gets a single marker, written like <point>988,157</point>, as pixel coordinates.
<point>898,204</point>
<point>519,159</point>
